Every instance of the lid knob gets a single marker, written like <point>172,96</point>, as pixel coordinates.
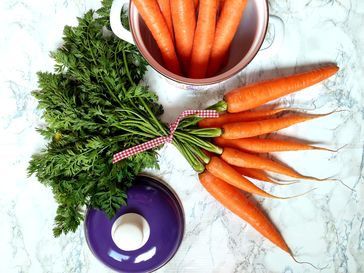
<point>130,231</point>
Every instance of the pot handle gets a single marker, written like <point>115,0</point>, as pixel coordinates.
<point>115,22</point>
<point>277,28</point>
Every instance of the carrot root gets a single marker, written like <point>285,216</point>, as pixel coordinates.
<point>259,145</point>
<point>238,117</point>
<point>245,160</point>
<point>234,200</point>
<point>255,128</point>
<point>227,173</point>
<point>254,95</point>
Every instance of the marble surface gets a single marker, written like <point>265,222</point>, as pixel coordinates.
<point>325,227</point>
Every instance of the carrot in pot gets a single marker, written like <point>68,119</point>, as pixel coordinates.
<point>245,160</point>
<point>226,28</point>
<point>234,200</point>
<point>221,4</point>
<point>195,4</point>
<point>224,171</point>
<point>258,145</point>
<point>256,94</point>
<point>203,39</point>
<point>165,8</point>
<point>184,24</point>
<point>153,18</point>
<point>242,116</point>
<point>255,128</point>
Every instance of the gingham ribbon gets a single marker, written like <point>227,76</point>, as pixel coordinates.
<point>163,139</point>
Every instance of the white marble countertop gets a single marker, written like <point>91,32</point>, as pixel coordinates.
<point>325,227</point>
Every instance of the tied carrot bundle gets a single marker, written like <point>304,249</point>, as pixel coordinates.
<point>245,160</point>
<point>234,200</point>
<point>153,18</point>
<point>258,145</point>
<point>203,39</point>
<point>256,94</point>
<point>165,8</point>
<point>226,28</point>
<point>184,24</point>
<point>255,128</point>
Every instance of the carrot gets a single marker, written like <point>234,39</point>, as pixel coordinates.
<point>253,95</point>
<point>234,200</point>
<point>195,4</point>
<point>255,128</point>
<point>221,4</point>
<point>242,116</point>
<point>203,39</point>
<point>226,28</point>
<point>257,174</point>
<point>224,171</point>
<point>258,145</point>
<point>245,160</point>
<point>184,24</point>
<point>165,8</point>
<point>153,18</point>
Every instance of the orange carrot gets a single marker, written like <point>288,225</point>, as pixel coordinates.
<point>234,200</point>
<point>245,160</point>
<point>253,95</point>
<point>195,4</point>
<point>165,7</point>
<point>226,28</point>
<point>256,174</point>
<point>224,171</point>
<point>203,39</point>
<point>258,145</point>
<point>242,116</point>
<point>153,18</point>
<point>184,24</point>
<point>221,4</point>
<point>255,128</point>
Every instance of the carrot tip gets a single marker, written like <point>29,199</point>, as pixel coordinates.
<point>298,195</point>
<point>334,151</point>
<point>304,262</point>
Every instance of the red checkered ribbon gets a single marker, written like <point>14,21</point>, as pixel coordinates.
<point>164,139</point>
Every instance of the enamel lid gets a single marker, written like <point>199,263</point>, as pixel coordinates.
<point>142,236</point>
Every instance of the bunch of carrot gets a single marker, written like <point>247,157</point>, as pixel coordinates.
<point>193,36</point>
<point>237,145</point>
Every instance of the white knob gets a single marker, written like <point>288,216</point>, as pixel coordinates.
<point>130,231</point>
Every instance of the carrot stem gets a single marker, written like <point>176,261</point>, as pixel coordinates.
<point>220,106</point>
<point>205,132</point>
<point>198,152</point>
<point>191,159</point>
<point>206,145</point>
